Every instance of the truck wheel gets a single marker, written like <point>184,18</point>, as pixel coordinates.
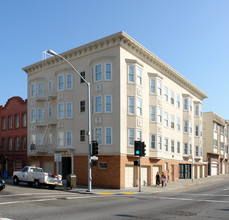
<point>30,183</point>
<point>16,180</point>
<point>37,184</point>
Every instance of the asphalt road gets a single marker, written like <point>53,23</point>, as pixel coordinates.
<point>22,202</point>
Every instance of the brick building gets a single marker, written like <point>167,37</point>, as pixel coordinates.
<point>13,133</point>
<point>134,96</point>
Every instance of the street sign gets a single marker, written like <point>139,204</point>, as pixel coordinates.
<point>57,157</point>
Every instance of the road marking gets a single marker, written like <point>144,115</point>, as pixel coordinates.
<point>26,201</point>
<point>30,194</point>
<point>5,218</point>
<point>206,195</point>
<point>103,193</point>
<point>128,193</point>
<point>196,200</point>
<point>225,189</point>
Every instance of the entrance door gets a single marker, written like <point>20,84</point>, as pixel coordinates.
<point>144,176</point>
<point>129,176</point>
<point>214,168</point>
<point>66,167</point>
<point>155,170</point>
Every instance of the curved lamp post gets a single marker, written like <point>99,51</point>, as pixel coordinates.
<point>51,52</point>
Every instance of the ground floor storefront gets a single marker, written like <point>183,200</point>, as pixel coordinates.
<point>118,171</point>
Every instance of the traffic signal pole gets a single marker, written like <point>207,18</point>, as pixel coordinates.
<point>140,176</point>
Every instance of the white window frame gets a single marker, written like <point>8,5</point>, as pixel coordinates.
<point>166,145</point>
<point>40,89</point>
<point>98,105</point>
<point>69,83</point>
<point>108,103</point>
<point>33,90</point>
<point>166,119</point>
<point>159,115</point>
<point>98,75</point>
<point>130,73</point>
<point>178,101</point>
<point>185,148</point>
<point>153,113</point>
<point>108,136</point>
<point>185,104</point>
<point>139,107</point>
<point>159,142</point>
<point>69,139</point>
<point>172,99</point>
<point>60,139</point>
<point>131,105</point>
<point>178,147</point>
<point>40,114</point>
<point>69,111</point>
<point>159,87</point>
<point>153,141</point>
<point>131,136</point>
<point>185,126</point>
<point>166,94</point>
<point>60,83</point>
<point>172,146</point>
<point>172,121</point>
<point>108,72</point>
<point>50,85</point>
<point>152,85</point>
<point>98,131</point>
<point>33,115</point>
<point>60,110</point>
<point>139,75</point>
<point>139,135</point>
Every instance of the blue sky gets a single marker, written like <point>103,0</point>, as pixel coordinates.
<point>191,36</point>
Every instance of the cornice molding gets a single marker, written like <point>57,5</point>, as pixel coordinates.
<point>128,43</point>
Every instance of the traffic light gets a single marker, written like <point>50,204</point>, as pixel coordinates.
<point>136,163</point>
<point>95,148</point>
<point>137,148</point>
<point>143,149</point>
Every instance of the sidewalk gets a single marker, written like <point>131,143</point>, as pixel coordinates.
<point>182,184</point>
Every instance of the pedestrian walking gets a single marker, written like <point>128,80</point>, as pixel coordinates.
<point>163,179</point>
<point>157,179</point>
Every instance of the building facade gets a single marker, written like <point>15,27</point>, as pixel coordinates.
<point>134,96</point>
<point>215,139</point>
<point>13,133</point>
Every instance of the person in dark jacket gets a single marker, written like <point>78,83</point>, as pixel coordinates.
<point>163,179</point>
<point>157,179</point>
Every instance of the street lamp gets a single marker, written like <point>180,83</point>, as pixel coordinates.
<point>53,53</point>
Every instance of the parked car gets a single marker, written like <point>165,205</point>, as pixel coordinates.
<point>2,184</point>
<point>36,176</point>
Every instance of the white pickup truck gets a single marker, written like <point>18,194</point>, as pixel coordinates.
<point>37,177</point>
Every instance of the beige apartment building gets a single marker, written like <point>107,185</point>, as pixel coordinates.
<point>134,96</point>
<point>215,143</point>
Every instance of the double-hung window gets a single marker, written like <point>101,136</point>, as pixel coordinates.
<point>159,142</point>
<point>108,103</point>
<point>50,112</point>
<point>98,135</point>
<point>172,146</point>
<point>152,85</point>
<point>40,89</point>
<point>98,72</point>
<point>131,105</point>
<point>69,81</point>
<point>172,97</point>
<point>130,136</point>
<point>50,86</point>
<point>24,119</point>
<point>178,147</point>
<point>190,126</point>
<point>178,124</point>
<point>139,107</point>
<point>40,114</point>
<point>16,121</point>
<point>108,136</point>
<point>159,115</point>
<point>16,143</point>
<point>159,87</point>
<point>197,130</point>
<point>186,148</point>
<point>166,144</point>
<point>82,74</point>
<point>186,104</point>
<point>131,73</point>
<point>60,110</point>
<point>197,151</point>
<point>166,119</point>
<point>98,104</point>
<point>33,115</point>
<point>61,82</point>
<point>152,113</point>
<point>178,101</point>
<point>33,90</point>
<point>190,105</point>
<point>166,94</point>
<point>82,106</point>
<point>60,139</point>
<point>172,121</point>
<point>139,135</point>
<point>153,141</point>
<point>82,135</point>
<point>108,71</point>
<point>185,126</point>
<point>69,109</point>
<point>139,76</point>
<point>69,139</point>
<point>196,110</point>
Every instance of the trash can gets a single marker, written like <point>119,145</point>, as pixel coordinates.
<point>6,174</point>
<point>71,180</point>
